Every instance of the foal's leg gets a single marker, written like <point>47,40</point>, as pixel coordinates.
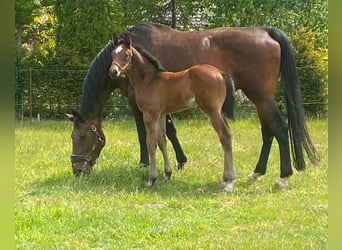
<point>223,131</point>
<point>151,125</point>
<point>162,146</point>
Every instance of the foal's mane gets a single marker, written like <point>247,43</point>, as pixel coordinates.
<point>95,76</point>
<point>152,59</point>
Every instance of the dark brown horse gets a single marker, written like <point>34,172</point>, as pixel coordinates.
<point>159,92</point>
<point>256,57</point>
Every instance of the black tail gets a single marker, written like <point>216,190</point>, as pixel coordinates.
<point>299,135</point>
<point>229,102</point>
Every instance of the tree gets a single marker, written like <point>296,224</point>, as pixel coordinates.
<point>83,27</point>
<point>35,25</point>
<point>24,10</point>
<point>67,33</point>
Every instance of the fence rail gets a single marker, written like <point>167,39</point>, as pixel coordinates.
<point>45,93</point>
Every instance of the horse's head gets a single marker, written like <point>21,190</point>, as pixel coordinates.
<point>121,56</point>
<point>87,143</point>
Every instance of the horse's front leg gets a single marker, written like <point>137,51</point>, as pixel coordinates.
<point>139,122</point>
<point>151,125</point>
<point>171,133</point>
<point>163,146</point>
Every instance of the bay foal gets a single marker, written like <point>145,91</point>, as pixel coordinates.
<point>159,92</point>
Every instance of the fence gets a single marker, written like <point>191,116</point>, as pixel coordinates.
<point>45,93</point>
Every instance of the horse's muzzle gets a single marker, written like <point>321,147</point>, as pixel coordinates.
<point>113,75</point>
<point>82,167</point>
<point>114,72</point>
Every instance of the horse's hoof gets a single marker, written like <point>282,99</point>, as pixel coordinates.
<point>228,186</point>
<point>180,165</point>
<point>150,183</point>
<point>281,183</point>
<point>168,175</point>
<point>254,176</point>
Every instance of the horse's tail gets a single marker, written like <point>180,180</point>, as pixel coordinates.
<point>229,102</point>
<point>299,135</point>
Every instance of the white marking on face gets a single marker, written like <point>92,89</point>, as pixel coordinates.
<point>118,49</point>
<point>206,42</point>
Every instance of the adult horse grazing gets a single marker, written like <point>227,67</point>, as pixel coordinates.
<point>159,92</point>
<point>255,57</point>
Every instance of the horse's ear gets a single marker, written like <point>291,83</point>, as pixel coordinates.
<point>115,39</point>
<point>77,115</point>
<point>128,40</point>
<point>70,117</point>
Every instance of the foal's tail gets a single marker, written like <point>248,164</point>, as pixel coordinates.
<point>299,135</point>
<point>229,102</point>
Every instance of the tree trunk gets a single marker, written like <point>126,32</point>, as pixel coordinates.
<point>19,42</point>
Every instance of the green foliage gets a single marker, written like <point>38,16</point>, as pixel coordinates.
<point>312,65</point>
<point>24,11</point>
<point>313,78</point>
<point>53,91</point>
<point>37,40</point>
<point>83,28</point>
<point>62,33</point>
<point>57,90</point>
<point>110,208</point>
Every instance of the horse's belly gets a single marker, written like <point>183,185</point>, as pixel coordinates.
<point>180,106</point>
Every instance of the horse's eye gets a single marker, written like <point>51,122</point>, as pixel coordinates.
<point>126,56</point>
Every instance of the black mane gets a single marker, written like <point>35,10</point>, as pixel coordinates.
<point>153,60</point>
<point>140,34</point>
<point>97,72</point>
<point>98,69</point>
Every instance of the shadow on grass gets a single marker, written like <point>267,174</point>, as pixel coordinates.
<point>125,178</point>
<point>130,179</point>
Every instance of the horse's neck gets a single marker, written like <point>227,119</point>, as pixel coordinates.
<point>93,111</point>
<point>141,70</point>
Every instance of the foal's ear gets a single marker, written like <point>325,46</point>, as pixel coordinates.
<point>128,40</point>
<point>115,39</point>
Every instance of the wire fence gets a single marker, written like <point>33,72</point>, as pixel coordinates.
<point>46,93</point>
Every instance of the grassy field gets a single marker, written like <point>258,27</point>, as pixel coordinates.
<point>111,209</point>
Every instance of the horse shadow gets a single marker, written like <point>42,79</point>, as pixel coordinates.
<point>132,179</point>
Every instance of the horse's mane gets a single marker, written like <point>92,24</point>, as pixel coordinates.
<point>152,59</point>
<point>99,66</point>
<point>141,28</point>
<point>95,75</point>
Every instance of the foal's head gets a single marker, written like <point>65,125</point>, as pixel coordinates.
<point>121,56</point>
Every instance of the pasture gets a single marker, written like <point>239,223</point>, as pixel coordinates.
<point>111,209</point>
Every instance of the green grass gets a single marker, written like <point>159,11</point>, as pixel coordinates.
<point>111,209</point>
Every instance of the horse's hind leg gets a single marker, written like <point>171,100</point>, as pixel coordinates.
<point>171,133</point>
<point>267,139</point>
<point>223,131</point>
<point>162,146</point>
<point>273,125</point>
